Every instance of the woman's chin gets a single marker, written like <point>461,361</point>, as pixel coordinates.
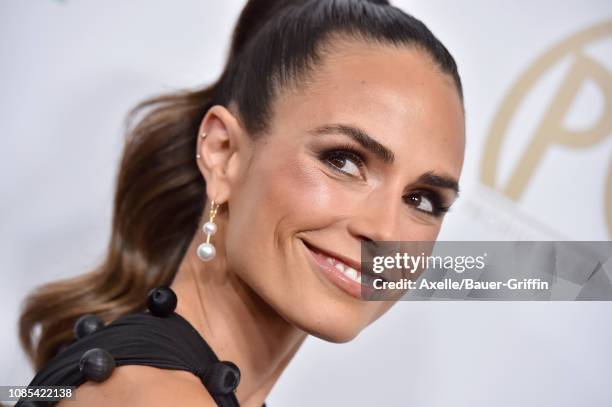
<point>336,322</point>
<point>336,336</point>
<point>333,327</point>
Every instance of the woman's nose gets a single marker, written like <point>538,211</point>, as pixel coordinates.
<point>377,219</point>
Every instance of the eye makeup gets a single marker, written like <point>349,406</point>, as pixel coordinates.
<point>436,207</point>
<point>341,156</point>
<point>336,158</point>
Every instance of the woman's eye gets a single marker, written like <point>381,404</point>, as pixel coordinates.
<point>429,203</point>
<point>344,161</point>
<point>420,202</point>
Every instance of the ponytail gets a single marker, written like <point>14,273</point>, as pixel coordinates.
<point>159,197</point>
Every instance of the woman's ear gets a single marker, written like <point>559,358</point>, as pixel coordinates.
<point>221,149</point>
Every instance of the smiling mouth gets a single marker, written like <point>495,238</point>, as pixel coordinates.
<point>350,268</point>
<point>343,272</point>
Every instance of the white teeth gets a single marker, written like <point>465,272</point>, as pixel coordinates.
<point>351,273</point>
<point>348,271</point>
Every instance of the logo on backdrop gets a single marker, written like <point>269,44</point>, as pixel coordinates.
<point>550,129</point>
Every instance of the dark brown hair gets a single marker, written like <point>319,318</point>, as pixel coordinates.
<point>160,192</point>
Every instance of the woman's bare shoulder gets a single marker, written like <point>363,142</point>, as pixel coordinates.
<point>136,385</point>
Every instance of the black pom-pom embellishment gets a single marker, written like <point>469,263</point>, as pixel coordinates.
<point>221,378</point>
<point>97,364</point>
<point>161,301</point>
<point>86,325</point>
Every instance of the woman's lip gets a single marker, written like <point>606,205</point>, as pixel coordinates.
<point>337,277</point>
<point>349,262</point>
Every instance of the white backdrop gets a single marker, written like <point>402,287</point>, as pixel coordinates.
<point>71,69</point>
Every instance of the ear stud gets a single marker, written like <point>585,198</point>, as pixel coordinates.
<point>203,135</point>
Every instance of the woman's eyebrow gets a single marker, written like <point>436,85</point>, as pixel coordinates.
<point>360,136</point>
<point>384,153</point>
<point>437,180</point>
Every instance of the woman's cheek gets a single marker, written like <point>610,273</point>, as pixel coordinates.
<point>313,196</point>
<point>277,199</point>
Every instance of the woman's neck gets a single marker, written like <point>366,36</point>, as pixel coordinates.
<point>237,324</point>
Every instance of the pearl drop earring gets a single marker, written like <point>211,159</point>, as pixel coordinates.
<point>206,251</point>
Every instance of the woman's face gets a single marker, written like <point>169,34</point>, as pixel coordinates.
<point>311,184</point>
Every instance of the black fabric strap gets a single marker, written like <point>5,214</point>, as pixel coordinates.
<point>137,339</point>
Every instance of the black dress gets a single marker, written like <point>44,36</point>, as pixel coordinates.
<point>157,337</point>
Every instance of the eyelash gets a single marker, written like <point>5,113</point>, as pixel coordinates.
<point>350,153</point>
<point>438,209</point>
<point>345,152</point>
